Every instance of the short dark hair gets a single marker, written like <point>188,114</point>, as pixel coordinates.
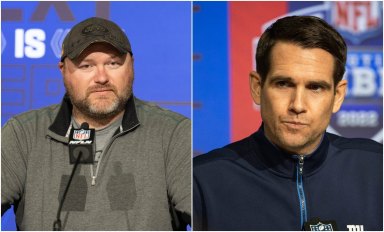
<point>306,32</point>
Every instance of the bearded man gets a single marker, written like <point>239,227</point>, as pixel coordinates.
<point>140,176</point>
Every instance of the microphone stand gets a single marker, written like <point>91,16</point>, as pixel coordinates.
<point>57,223</point>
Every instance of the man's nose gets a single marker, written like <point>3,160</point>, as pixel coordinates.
<point>298,101</point>
<point>101,75</point>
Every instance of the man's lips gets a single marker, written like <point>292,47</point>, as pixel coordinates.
<point>101,90</point>
<point>101,93</point>
<point>295,124</point>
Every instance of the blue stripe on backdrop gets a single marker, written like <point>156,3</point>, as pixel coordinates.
<point>210,76</point>
<point>293,6</point>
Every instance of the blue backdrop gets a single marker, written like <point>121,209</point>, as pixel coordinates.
<point>210,76</point>
<point>31,37</point>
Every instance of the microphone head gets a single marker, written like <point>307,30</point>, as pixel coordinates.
<point>315,224</point>
<point>82,141</point>
<point>84,125</point>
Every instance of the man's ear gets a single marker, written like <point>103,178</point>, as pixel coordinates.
<point>255,84</point>
<point>132,58</point>
<point>340,92</point>
<point>61,67</point>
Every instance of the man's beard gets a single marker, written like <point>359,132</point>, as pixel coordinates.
<point>97,109</point>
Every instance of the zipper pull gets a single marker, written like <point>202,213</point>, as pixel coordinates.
<point>93,180</point>
<point>301,164</point>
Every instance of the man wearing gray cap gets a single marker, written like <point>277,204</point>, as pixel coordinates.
<point>140,174</point>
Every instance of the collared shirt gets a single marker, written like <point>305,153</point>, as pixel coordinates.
<point>145,166</point>
<point>253,185</point>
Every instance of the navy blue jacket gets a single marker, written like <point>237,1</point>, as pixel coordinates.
<point>253,185</point>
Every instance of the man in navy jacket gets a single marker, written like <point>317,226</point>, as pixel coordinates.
<point>291,174</point>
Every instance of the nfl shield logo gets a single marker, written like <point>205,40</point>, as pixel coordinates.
<point>81,134</point>
<point>356,20</point>
<point>321,227</point>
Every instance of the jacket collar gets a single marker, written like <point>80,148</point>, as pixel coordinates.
<point>63,118</point>
<point>284,163</point>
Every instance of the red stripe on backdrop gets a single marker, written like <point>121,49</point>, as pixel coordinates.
<point>245,24</point>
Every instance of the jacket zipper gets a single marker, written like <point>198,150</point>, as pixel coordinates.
<point>300,190</point>
<point>94,175</point>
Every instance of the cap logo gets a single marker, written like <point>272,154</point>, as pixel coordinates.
<point>95,29</point>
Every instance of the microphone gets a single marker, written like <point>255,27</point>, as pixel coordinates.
<point>82,140</point>
<point>315,224</point>
<point>81,149</point>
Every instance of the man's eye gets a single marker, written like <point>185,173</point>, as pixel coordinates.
<point>85,66</point>
<point>316,88</point>
<point>282,84</point>
<point>114,64</point>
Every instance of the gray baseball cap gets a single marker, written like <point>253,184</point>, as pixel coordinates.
<point>94,30</point>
